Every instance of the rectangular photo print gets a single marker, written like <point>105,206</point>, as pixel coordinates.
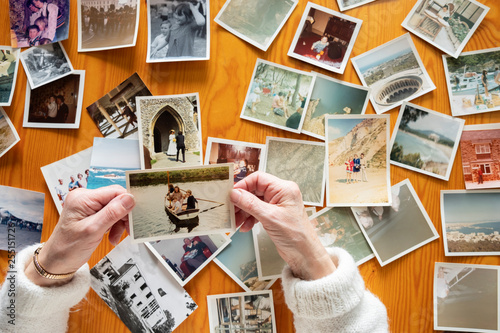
<point>471,223</point>
<point>135,285</point>
<point>178,30</point>
<point>425,141</point>
<point>277,96</point>
<point>170,203</point>
<point>445,24</point>
<point>399,229</point>
<point>8,133</point>
<point>350,4</point>
<point>57,104</point>
<point>257,22</point>
<point>473,80</point>
<point>394,72</point>
<point>242,312</point>
<point>465,298</point>
<point>9,64</point>
<point>357,160</point>
<point>269,262</point>
<point>325,38</point>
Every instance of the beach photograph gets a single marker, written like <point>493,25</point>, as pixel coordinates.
<point>269,262</point>
<point>9,64</point>
<point>8,133</point>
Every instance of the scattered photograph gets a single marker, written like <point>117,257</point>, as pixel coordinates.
<point>8,133</point>
<point>310,211</point>
<point>34,22</point>
<point>337,227</point>
<point>302,162</point>
<point>242,312</point>
<point>66,175</point>
<point>21,215</point>
<point>135,285</point>
<point>269,262</point>
<point>357,160</point>
<point>465,297</point>
<point>257,22</point>
<point>325,38</point>
<point>178,30</point>
<point>171,203</point>
<point>445,24</point>
<point>471,223</point>
<point>350,4</point>
<point>115,113</point>
<point>57,104</point>
<point>111,158</point>
<point>9,64</point>
<point>106,25</point>
<point>46,63</point>
<point>425,141</point>
<point>473,81</point>
<point>170,130</point>
<point>394,72</point>
<point>277,96</point>
<point>331,96</point>
<point>185,257</point>
<point>399,229</point>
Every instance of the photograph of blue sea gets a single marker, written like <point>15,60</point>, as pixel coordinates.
<point>101,177</point>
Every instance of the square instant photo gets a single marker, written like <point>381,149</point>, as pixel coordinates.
<point>8,133</point>
<point>445,24</point>
<point>357,160</point>
<point>473,79</point>
<point>277,96</point>
<point>350,4</point>
<point>9,64</point>
<point>465,298</point>
<point>269,262</point>
<point>471,223</point>
<point>178,30</point>
<point>394,72</point>
<point>180,202</point>
<point>425,141</point>
<point>399,229</point>
<point>257,22</point>
<point>331,96</point>
<point>242,312</point>
<point>57,104</point>
<point>325,38</point>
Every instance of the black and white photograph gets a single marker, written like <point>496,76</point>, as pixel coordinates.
<point>269,262</point>
<point>445,24</point>
<point>325,38</point>
<point>394,72</point>
<point>9,64</point>
<point>57,104</point>
<point>46,63</point>
<point>399,229</point>
<point>178,30</point>
<point>8,133</point>
<point>350,4</point>
<point>106,25</point>
<point>256,22</point>
<point>136,286</point>
<point>465,298</point>
<point>176,202</point>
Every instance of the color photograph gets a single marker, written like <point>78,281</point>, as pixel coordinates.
<point>8,133</point>
<point>269,262</point>
<point>9,64</point>
<point>349,4</point>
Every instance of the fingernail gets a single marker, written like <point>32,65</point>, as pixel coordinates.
<point>127,200</point>
<point>235,196</point>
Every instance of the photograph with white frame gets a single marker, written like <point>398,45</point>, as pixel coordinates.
<point>9,64</point>
<point>445,24</point>
<point>277,105</point>
<point>405,227</point>
<point>310,211</point>
<point>258,22</point>
<point>350,4</point>
<point>269,262</point>
<point>8,133</point>
<point>325,38</point>
<point>425,141</point>
<point>394,72</point>
<point>465,297</point>
<point>471,223</point>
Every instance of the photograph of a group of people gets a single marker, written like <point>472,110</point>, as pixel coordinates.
<point>38,22</point>
<point>9,63</point>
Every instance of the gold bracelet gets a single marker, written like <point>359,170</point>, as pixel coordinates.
<point>40,270</point>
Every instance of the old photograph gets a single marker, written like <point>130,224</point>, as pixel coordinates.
<point>175,202</point>
<point>277,96</point>
<point>9,64</point>
<point>257,22</point>
<point>471,223</point>
<point>325,38</point>
<point>349,4</point>
<point>269,262</point>
<point>115,113</point>
<point>357,160</point>
<point>445,24</point>
<point>136,286</point>
<point>8,133</point>
<point>425,141</point>
<point>394,72</point>
<point>170,130</point>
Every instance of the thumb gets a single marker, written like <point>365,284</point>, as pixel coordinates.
<point>114,211</point>
<point>249,203</point>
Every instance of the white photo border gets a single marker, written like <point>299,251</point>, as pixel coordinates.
<point>259,228</point>
<point>344,8</point>
<point>211,140</point>
<point>16,68</point>
<point>12,128</point>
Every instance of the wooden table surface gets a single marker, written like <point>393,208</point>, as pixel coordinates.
<point>405,286</point>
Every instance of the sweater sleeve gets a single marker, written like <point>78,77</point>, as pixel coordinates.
<point>338,302</point>
<point>39,309</point>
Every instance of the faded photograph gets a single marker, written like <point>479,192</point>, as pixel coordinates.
<point>269,262</point>
<point>8,133</point>
<point>349,4</point>
<point>9,63</point>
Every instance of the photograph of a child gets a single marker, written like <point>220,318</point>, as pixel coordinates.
<point>325,38</point>
<point>8,133</point>
<point>9,64</point>
<point>179,30</point>
<point>349,4</point>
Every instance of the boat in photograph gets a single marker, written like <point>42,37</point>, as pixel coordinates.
<point>186,218</point>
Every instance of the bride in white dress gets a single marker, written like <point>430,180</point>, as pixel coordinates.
<point>172,145</point>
